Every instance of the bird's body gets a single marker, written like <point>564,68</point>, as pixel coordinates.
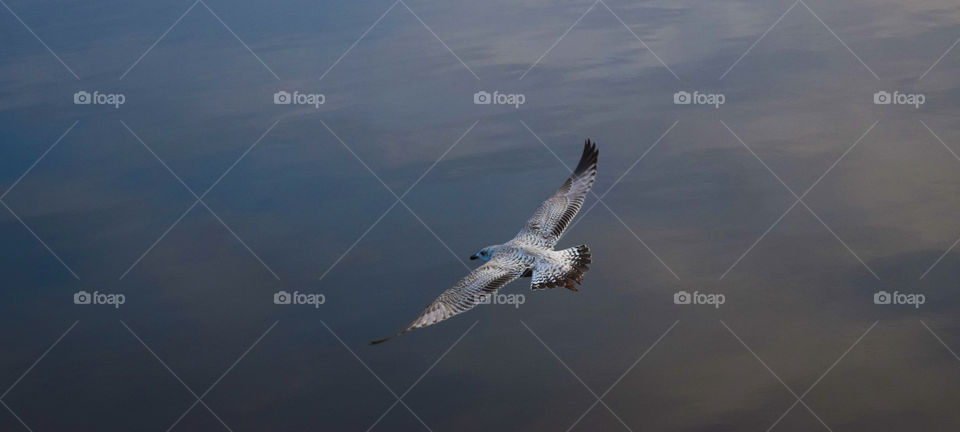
<point>531,257</point>
<point>522,254</point>
<point>529,253</point>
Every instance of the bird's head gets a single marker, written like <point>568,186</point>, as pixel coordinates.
<point>484,255</point>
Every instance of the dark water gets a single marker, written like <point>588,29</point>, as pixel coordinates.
<point>199,320</point>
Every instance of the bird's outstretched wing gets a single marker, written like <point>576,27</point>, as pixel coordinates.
<point>471,290</point>
<point>552,217</point>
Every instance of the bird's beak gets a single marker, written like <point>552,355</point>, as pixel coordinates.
<point>473,257</point>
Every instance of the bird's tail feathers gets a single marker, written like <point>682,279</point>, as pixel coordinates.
<point>576,263</point>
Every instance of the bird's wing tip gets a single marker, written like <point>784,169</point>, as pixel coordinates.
<point>380,341</point>
<point>589,157</point>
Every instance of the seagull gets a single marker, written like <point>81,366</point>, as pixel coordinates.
<point>529,254</point>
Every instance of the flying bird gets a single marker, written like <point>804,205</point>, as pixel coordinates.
<point>529,254</point>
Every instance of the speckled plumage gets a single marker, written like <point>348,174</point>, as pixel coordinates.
<point>529,252</point>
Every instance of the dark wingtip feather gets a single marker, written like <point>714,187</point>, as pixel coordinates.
<point>589,157</point>
<point>380,341</point>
